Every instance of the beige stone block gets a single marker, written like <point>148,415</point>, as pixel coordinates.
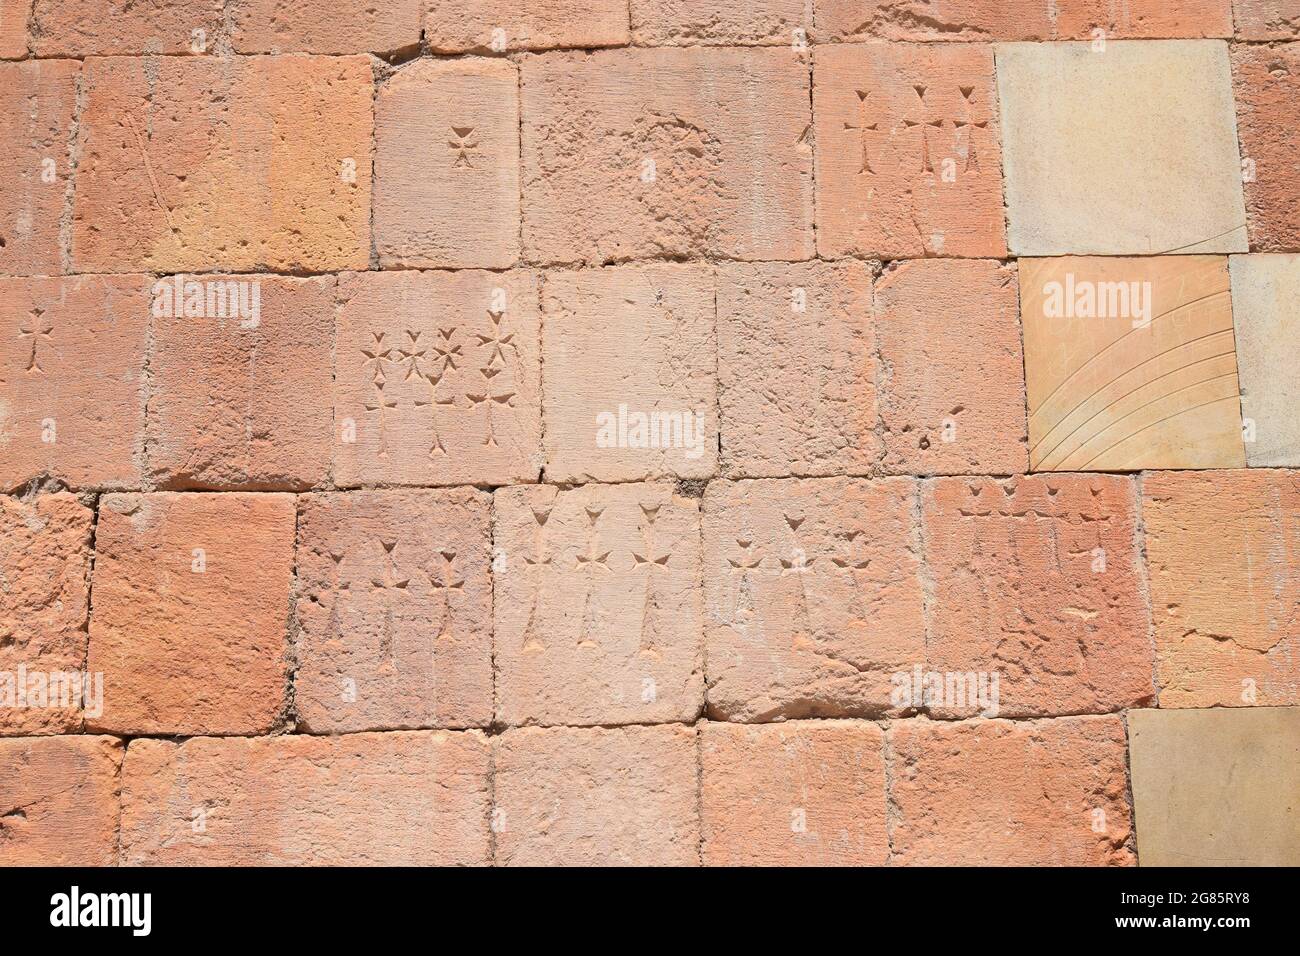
<point>1266,316</point>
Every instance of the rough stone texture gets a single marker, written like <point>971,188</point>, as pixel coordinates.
<point>72,389</point>
<point>241,163</point>
<point>241,402</point>
<point>721,22</point>
<point>1224,562</point>
<point>630,359</point>
<point>813,596</point>
<point>1266,81</point>
<point>1004,793</point>
<point>112,28</point>
<point>598,617</point>
<point>1215,787</point>
<point>1129,363</point>
<point>690,151</point>
<point>457,26</point>
<point>36,107</point>
<point>1267,19</point>
<point>951,394</point>
<point>186,651</point>
<point>394,610</point>
<point>325,26</point>
<point>14,15</point>
<point>804,793</point>
<point>1037,580</point>
<point>1266,318</point>
<point>908,161</point>
<point>597,797</point>
<point>397,799</point>
<point>44,582</point>
<point>59,801</point>
<point>1144,160</point>
<point>447,165</point>
<point>796,373</point>
<point>437,378</point>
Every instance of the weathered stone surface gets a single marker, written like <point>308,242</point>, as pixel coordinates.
<point>72,388</point>
<point>1143,162</point>
<point>59,801</point>
<point>191,603</point>
<point>239,163</point>
<point>908,161</point>
<point>1266,318</point>
<point>1267,19</point>
<point>437,378</point>
<point>721,22</point>
<point>1216,787</point>
<point>14,16</point>
<point>1266,81</point>
<point>238,399</point>
<point>1129,363</point>
<point>44,582</point>
<point>1004,793</point>
<point>110,28</point>
<point>1037,580</point>
<point>692,152</point>
<point>394,610</point>
<point>502,26</point>
<point>325,26</point>
<point>1224,562</point>
<point>630,358</point>
<point>597,604</point>
<point>951,396</point>
<point>447,165</point>
<point>597,797</point>
<point>796,369</point>
<point>802,793</point>
<point>813,596</point>
<point>396,799</point>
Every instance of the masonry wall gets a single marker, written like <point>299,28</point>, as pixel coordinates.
<point>765,431</point>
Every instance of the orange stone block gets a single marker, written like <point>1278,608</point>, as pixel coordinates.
<point>506,26</point>
<point>1267,19</point>
<point>83,28</point>
<point>325,26</point>
<point>1266,83</point>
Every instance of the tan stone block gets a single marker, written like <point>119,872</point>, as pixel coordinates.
<point>1036,581</point>
<point>951,396</point>
<point>111,28</point>
<point>395,799</point>
<point>239,396</point>
<point>598,617</point>
<point>796,369</point>
<point>325,26</point>
<point>908,161</point>
<point>568,796</point>
<point>721,22</point>
<point>44,591</point>
<point>14,17</point>
<point>1266,320</point>
<point>1266,81</point>
<point>190,609</point>
<point>630,354</point>
<point>437,378</point>
<point>394,610</point>
<point>1267,19</point>
<point>813,596</point>
<point>692,152</point>
<point>1143,162</point>
<point>60,801</point>
<point>241,163</point>
<point>1130,363</point>
<point>447,165</point>
<point>72,388</point>
<point>802,793</point>
<point>1224,555</point>
<point>1216,787</point>
<point>501,26</point>
<point>1006,793</point>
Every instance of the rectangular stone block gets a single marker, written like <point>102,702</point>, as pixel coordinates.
<point>14,17</point>
<point>1223,549</point>
<point>802,793</point>
<point>908,161</point>
<point>693,152</point>
<point>1130,363</point>
<point>721,22</point>
<point>239,163</point>
<point>325,26</point>
<point>1036,581</point>
<point>191,602</point>
<point>625,796</point>
<point>437,379</point>
<point>597,606</point>
<point>394,610</point>
<point>1143,162</point>
<point>1266,318</point>
<point>83,28</point>
<point>1266,81</point>
<point>396,799</point>
<point>813,596</point>
<point>1267,19</point>
<point>504,26</point>
<point>72,384</point>
<point>630,358</point>
<point>447,165</point>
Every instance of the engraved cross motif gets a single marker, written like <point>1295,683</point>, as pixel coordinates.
<point>36,331</point>
<point>651,561</point>
<point>588,563</point>
<point>389,584</point>
<point>537,565</point>
<point>443,581</point>
<point>967,96</point>
<point>463,146</point>
<point>920,124</point>
<point>863,128</point>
